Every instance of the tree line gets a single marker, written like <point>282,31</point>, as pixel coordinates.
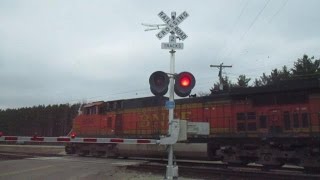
<point>51,120</point>
<point>302,67</point>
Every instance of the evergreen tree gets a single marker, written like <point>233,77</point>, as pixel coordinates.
<point>243,81</point>
<point>306,66</point>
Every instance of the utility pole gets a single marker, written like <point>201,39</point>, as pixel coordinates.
<point>220,73</point>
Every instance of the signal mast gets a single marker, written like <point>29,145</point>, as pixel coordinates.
<point>181,83</point>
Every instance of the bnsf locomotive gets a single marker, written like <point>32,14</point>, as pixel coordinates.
<point>271,125</point>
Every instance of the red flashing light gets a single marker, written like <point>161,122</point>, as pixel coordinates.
<point>185,81</point>
<point>73,135</point>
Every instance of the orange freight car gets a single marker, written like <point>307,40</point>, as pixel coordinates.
<point>270,125</point>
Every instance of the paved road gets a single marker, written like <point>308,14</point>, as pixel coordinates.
<point>70,167</point>
<point>14,165</point>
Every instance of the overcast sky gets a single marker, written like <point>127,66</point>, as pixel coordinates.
<point>72,51</point>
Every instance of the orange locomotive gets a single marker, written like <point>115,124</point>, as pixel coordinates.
<point>270,125</point>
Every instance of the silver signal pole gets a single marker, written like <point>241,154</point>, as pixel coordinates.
<point>170,173</point>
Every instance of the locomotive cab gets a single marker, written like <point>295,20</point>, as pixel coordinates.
<point>98,119</point>
<point>93,108</point>
<point>101,107</point>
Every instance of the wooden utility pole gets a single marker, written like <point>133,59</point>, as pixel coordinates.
<point>220,73</point>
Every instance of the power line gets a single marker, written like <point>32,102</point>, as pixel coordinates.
<point>251,25</point>
<point>279,10</point>
<point>274,15</point>
<point>254,20</point>
<point>238,18</point>
<point>235,25</point>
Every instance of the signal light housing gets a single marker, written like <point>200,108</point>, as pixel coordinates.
<point>159,82</point>
<point>184,83</point>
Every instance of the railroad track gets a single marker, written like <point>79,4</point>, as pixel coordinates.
<point>195,168</point>
<point>211,170</point>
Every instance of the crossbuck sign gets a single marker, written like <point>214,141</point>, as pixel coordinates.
<point>172,25</point>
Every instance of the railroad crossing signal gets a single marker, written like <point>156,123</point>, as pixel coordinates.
<point>159,82</point>
<point>184,83</point>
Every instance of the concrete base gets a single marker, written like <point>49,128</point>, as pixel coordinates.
<point>172,172</point>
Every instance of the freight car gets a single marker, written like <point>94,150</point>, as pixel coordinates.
<point>271,125</point>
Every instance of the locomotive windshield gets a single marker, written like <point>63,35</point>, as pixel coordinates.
<point>93,108</point>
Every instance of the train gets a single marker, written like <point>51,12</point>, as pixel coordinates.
<point>271,125</point>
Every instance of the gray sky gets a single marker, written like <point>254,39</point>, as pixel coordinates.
<point>72,51</point>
